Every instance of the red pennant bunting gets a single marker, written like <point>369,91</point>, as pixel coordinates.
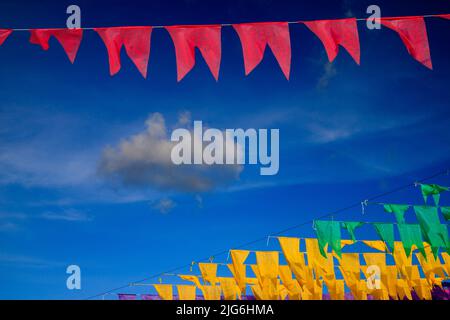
<point>137,45</point>
<point>333,33</point>
<point>4,33</point>
<point>413,33</point>
<point>205,38</point>
<point>256,36</point>
<point>69,39</point>
<point>445,16</point>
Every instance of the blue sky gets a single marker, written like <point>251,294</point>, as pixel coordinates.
<point>346,132</point>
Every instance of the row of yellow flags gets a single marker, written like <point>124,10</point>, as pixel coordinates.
<point>299,280</point>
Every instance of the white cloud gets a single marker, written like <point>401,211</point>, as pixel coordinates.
<point>143,160</point>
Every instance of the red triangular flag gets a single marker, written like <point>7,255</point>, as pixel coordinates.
<point>205,38</point>
<point>69,39</point>
<point>413,33</point>
<point>333,33</point>
<point>4,33</point>
<point>445,16</point>
<point>137,45</point>
<point>256,36</point>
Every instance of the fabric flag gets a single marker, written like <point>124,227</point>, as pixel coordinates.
<point>403,290</point>
<point>229,288</point>
<point>211,292</point>
<point>191,278</point>
<point>340,290</point>
<point>350,227</point>
<point>186,292</point>
<point>206,38</point>
<point>401,260</point>
<point>282,292</point>
<point>69,39</point>
<point>446,257</point>
<point>433,231</point>
<point>413,33</point>
<point>379,260</point>
<point>386,233</point>
<point>398,210</point>
<point>4,33</point>
<point>432,189</point>
<point>328,232</point>
<point>268,264</point>
<point>316,261</point>
<point>411,235</point>
<point>390,278</point>
<point>335,33</point>
<point>446,213</point>
<point>256,36</point>
<point>350,269</point>
<point>257,292</point>
<point>209,272</point>
<point>375,244</point>
<point>430,265</point>
<point>293,287</point>
<point>136,41</point>
<point>126,296</point>
<point>238,258</point>
<point>345,242</point>
<point>165,291</point>
<point>413,275</point>
<point>423,290</point>
<point>294,258</point>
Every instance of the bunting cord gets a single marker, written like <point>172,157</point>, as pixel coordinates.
<point>352,206</point>
<point>231,24</point>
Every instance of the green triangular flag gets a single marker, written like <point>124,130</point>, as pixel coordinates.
<point>350,227</point>
<point>446,212</point>
<point>411,235</point>
<point>386,233</point>
<point>427,216</point>
<point>328,232</point>
<point>432,189</point>
<point>432,230</point>
<point>398,210</point>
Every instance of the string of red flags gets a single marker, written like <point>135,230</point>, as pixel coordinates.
<point>254,38</point>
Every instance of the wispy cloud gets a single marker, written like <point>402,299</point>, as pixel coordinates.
<point>27,261</point>
<point>329,72</point>
<point>164,205</point>
<point>8,226</point>
<point>67,215</point>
